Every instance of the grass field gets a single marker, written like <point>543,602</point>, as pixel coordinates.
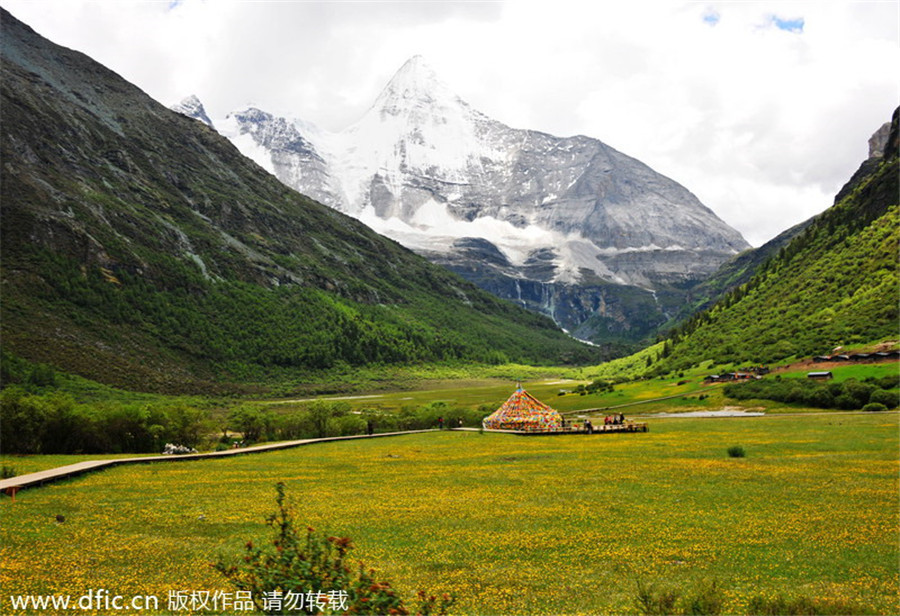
<point>532,525</point>
<point>490,393</point>
<point>859,371</point>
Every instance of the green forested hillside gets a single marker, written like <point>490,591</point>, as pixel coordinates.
<point>141,249</point>
<point>834,284</point>
<point>731,275</point>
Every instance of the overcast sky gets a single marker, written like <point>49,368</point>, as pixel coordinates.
<point>762,109</point>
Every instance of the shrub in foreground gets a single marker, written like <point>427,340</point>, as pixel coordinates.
<point>736,452</point>
<point>706,599</point>
<point>313,572</point>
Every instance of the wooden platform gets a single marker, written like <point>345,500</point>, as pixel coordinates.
<point>601,429</point>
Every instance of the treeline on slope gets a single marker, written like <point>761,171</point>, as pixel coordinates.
<point>835,284</point>
<point>241,327</point>
<point>38,416</point>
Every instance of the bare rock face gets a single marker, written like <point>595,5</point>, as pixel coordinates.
<point>507,208</point>
<point>879,140</point>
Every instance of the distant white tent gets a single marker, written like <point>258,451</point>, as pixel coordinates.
<point>523,412</point>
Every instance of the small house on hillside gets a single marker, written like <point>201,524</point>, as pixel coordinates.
<point>820,375</point>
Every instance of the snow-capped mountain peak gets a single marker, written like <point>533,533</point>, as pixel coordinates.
<point>513,209</point>
<point>417,127</point>
<point>415,87</point>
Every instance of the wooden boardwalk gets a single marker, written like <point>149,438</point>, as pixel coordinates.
<point>14,484</point>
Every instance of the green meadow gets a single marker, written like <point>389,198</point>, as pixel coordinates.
<point>508,524</point>
<point>681,391</point>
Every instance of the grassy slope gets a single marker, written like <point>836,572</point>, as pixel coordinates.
<point>832,282</point>
<point>689,385</point>
<point>508,524</point>
<point>836,284</point>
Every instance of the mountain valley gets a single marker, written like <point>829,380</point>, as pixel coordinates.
<point>568,227</point>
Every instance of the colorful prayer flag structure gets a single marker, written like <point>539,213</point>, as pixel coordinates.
<point>525,413</point>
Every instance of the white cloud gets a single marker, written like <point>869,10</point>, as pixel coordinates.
<point>763,122</point>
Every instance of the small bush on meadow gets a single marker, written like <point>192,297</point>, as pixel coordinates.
<point>652,601</point>
<point>736,451</point>
<point>8,472</point>
<point>301,564</point>
<point>704,600</point>
<point>874,407</point>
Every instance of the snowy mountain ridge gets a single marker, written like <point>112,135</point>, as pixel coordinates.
<point>192,107</point>
<point>499,205</point>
